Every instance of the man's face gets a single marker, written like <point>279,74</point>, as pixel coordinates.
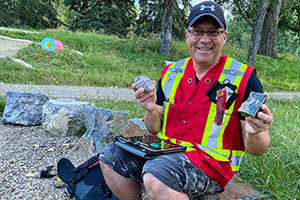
<point>205,48</point>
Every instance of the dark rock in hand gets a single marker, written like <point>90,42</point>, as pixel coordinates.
<point>144,82</point>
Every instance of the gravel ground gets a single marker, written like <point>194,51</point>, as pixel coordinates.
<point>24,151</point>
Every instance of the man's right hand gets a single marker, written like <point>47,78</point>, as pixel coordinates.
<point>145,100</point>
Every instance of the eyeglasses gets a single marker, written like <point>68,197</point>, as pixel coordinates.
<point>197,34</point>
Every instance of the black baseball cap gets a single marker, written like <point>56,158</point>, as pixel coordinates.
<point>207,8</point>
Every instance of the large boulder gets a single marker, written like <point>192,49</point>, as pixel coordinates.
<point>64,117</point>
<point>23,108</point>
<point>102,126</point>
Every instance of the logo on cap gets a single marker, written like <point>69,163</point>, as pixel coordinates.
<point>212,7</point>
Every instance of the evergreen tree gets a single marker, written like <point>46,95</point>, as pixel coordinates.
<point>30,13</point>
<point>289,17</point>
<point>151,15</point>
<point>111,16</point>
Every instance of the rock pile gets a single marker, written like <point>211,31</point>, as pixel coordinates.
<point>68,117</point>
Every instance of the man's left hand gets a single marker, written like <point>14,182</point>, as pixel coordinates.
<point>260,123</point>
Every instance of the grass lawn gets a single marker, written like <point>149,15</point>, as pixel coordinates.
<point>277,172</point>
<point>113,61</point>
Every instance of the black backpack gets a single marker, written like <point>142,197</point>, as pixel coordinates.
<point>86,182</point>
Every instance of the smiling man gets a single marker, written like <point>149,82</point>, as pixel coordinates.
<point>196,105</point>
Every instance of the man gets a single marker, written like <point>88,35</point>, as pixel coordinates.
<point>196,105</point>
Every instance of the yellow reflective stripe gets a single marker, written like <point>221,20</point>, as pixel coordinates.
<point>161,136</point>
<point>228,62</point>
<point>209,123</point>
<point>177,81</point>
<point>225,123</point>
<point>216,156</point>
<point>221,151</point>
<point>239,78</point>
<point>174,87</point>
<point>243,68</point>
<point>188,149</point>
<point>163,81</point>
<point>222,76</point>
<point>227,66</point>
<point>230,110</point>
<point>173,140</point>
<point>187,144</point>
<point>238,153</point>
<point>166,110</point>
<point>235,168</point>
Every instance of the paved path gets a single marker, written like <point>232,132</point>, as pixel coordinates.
<point>112,93</point>
<point>10,47</point>
<point>124,94</point>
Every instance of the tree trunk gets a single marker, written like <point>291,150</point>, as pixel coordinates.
<point>166,28</point>
<point>256,32</point>
<point>268,42</point>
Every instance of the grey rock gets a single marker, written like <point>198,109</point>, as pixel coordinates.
<point>102,126</point>
<point>64,117</point>
<point>23,108</point>
<point>135,127</point>
<point>144,82</point>
<point>237,189</point>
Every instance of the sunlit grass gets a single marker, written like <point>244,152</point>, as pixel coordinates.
<point>277,172</point>
<point>112,61</point>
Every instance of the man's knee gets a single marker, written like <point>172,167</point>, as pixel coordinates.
<point>152,185</point>
<point>155,189</point>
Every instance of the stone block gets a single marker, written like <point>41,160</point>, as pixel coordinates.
<point>64,117</point>
<point>102,126</point>
<point>23,108</point>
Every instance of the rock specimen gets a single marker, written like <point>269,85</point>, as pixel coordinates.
<point>252,105</point>
<point>144,82</point>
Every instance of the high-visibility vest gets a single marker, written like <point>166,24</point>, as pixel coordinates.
<point>212,140</point>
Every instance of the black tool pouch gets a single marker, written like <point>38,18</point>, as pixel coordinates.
<point>230,88</point>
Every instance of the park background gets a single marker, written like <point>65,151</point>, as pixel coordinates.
<point>121,40</point>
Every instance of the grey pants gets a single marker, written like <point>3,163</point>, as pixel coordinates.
<point>174,170</point>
